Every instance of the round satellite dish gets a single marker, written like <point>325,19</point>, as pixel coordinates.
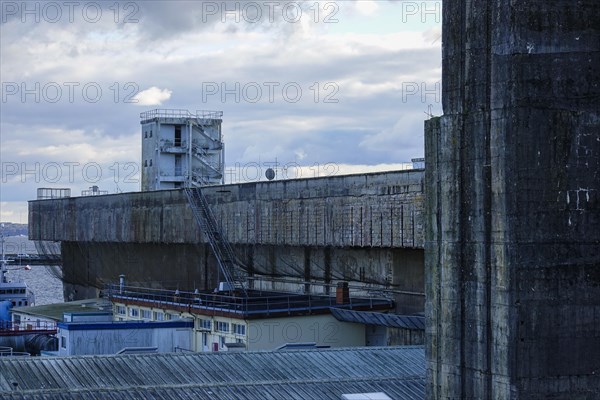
<point>270,174</point>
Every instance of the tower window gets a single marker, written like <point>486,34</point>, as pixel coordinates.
<point>177,136</point>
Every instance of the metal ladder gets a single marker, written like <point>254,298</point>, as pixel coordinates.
<point>233,272</point>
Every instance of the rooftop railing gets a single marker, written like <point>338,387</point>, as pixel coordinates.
<point>8,328</point>
<point>9,352</point>
<point>256,303</point>
<point>179,113</point>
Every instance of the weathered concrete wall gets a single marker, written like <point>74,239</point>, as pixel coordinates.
<point>405,337</point>
<point>512,194</point>
<point>369,210</point>
<point>366,229</point>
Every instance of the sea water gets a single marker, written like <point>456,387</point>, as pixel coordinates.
<point>44,281</point>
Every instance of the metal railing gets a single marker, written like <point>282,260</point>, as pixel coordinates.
<point>256,303</point>
<point>9,327</point>
<point>358,289</point>
<point>180,113</point>
<point>53,193</point>
<point>9,352</point>
<point>206,114</point>
<point>93,192</point>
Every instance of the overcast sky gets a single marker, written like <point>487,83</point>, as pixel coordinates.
<point>333,86</point>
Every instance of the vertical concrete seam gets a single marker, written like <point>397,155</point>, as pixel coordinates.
<point>487,176</point>
<point>461,195</point>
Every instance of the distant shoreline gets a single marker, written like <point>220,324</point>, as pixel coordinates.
<point>12,229</point>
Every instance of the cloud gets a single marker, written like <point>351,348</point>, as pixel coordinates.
<point>366,7</point>
<point>13,211</point>
<point>58,158</point>
<point>152,96</point>
<point>350,109</point>
<point>403,141</point>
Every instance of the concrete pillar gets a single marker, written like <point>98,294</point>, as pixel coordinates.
<point>512,197</point>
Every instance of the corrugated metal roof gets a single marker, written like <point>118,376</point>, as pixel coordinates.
<point>381,319</point>
<point>312,374</point>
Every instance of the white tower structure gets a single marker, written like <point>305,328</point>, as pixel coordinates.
<point>181,149</point>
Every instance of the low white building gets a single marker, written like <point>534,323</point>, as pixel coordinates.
<point>214,332</point>
<point>50,314</point>
<point>81,338</point>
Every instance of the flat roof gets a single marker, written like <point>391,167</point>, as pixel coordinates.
<point>399,372</point>
<point>56,311</point>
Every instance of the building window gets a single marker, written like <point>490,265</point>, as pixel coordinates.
<point>177,136</point>
<point>146,314</point>
<point>150,164</point>
<point>159,316</point>
<point>167,317</point>
<point>145,134</point>
<point>222,341</point>
<point>150,133</point>
<point>204,324</point>
<point>239,329</point>
<point>63,342</point>
<point>204,339</point>
<point>222,326</point>
<point>145,163</point>
<point>121,310</point>
<point>134,312</point>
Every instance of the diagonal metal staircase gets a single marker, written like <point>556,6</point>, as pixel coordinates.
<point>201,154</point>
<point>233,272</point>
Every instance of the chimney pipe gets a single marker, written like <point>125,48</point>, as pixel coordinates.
<point>342,293</point>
